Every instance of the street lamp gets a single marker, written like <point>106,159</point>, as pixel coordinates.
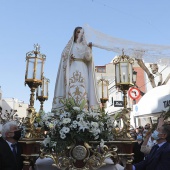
<point>42,92</point>
<point>103,87</point>
<point>124,80</point>
<point>34,71</point>
<point>33,78</point>
<point>124,74</point>
<point>33,135</point>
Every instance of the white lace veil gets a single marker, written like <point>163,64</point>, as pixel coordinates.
<point>148,52</point>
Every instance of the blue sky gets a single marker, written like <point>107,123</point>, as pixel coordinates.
<point>50,23</point>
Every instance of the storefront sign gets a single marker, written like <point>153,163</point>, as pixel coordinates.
<point>118,103</point>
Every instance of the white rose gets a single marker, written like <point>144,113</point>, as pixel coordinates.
<point>76,108</point>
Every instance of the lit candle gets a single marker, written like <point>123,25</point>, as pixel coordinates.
<point>124,76</point>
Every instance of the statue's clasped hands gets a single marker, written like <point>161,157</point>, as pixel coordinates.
<point>72,58</point>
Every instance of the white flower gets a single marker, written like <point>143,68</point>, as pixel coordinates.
<point>95,115</point>
<point>83,125</point>
<point>76,108</point>
<point>95,131</point>
<point>47,123</point>
<point>65,130</point>
<point>51,125</point>
<point>66,114</point>
<point>54,144</point>
<point>50,114</point>
<point>55,122</point>
<point>46,140</point>
<point>102,143</point>
<point>61,132</point>
<point>66,120</point>
<point>62,136</point>
<point>94,125</point>
<point>74,124</point>
<point>80,116</point>
<point>41,123</point>
<point>96,137</point>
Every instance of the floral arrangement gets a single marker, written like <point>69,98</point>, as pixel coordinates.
<point>76,124</point>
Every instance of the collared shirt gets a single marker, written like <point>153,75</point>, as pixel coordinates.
<point>9,143</point>
<point>161,144</point>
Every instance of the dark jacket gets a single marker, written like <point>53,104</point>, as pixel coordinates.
<point>158,161</point>
<point>7,159</point>
<point>138,155</point>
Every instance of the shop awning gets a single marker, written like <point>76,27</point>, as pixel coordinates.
<point>153,102</point>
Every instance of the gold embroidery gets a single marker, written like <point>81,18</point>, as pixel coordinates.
<point>77,88</point>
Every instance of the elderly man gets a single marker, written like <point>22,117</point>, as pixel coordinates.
<point>10,150</point>
<point>159,156</point>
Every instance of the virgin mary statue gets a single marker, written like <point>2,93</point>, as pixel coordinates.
<point>76,74</point>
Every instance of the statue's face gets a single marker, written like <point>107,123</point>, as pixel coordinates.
<point>79,35</point>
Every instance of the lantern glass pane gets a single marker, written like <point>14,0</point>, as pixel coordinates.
<point>130,74</point>
<point>105,88</point>
<point>117,73</point>
<point>30,73</point>
<point>124,72</point>
<point>39,70</point>
<point>103,91</point>
<point>40,91</point>
<point>134,76</point>
<point>100,89</point>
<point>45,88</point>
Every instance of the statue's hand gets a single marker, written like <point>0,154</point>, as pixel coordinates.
<point>90,44</point>
<point>72,57</point>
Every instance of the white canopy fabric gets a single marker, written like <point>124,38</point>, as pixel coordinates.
<point>152,53</point>
<point>154,101</point>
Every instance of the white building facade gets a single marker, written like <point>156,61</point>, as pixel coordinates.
<point>13,105</point>
<point>115,97</point>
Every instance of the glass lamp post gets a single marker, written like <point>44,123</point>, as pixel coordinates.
<point>33,135</point>
<point>124,80</point>
<point>34,71</point>
<point>42,92</point>
<point>33,78</point>
<point>103,90</point>
<point>124,74</point>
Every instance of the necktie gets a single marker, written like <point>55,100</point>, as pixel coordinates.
<point>154,150</point>
<point>14,149</point>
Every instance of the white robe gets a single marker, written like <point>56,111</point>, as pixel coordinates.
<point>76,79</point>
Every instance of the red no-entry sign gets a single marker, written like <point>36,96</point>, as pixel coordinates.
<point>134,93</point>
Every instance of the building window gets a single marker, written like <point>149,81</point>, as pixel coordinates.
<point>101,69</point>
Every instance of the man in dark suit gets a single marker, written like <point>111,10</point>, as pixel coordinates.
<point>159,156</point>
<point>10,150</point>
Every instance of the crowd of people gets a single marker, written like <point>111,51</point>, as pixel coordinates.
<point>152,147</point>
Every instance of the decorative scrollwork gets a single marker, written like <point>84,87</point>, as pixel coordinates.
<point>124,133</point>
<point>80,156</point>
